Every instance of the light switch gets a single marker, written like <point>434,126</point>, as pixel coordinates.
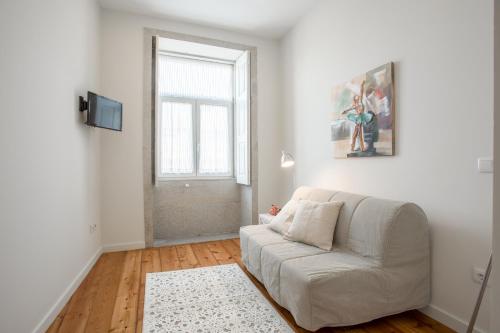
<point>485,164</point>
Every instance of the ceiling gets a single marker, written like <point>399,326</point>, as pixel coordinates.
<point>265,18</point>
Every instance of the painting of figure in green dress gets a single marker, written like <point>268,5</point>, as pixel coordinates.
<point>363,115</point>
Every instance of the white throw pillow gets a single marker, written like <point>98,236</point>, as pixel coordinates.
<point>314,223</point>
<point>281,222</point>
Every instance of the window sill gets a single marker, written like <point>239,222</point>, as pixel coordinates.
<point>191,179</point>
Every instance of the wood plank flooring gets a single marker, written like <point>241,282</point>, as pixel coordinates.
<point>111,298</point>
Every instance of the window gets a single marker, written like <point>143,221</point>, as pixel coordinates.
<point>195,117</point>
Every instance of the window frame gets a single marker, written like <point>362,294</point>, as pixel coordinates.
<point>196,103</point>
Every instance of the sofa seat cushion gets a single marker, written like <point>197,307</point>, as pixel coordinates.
<point>253,239</point>
<point>272,257</point>
<point>341,288</point>
<point>332,289</point>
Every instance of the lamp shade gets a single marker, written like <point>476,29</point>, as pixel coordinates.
<point>287,159</point>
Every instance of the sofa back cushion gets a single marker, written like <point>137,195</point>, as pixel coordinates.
<point>351,202</point>
<point>392,232</point>
<point>369,226</point>
<point>313,194</point>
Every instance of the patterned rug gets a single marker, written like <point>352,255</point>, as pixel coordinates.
<point>209,299</point>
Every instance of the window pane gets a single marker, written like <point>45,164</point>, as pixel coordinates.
<point>214,139</point>
<point>181,77</point>
<point>176,138</point>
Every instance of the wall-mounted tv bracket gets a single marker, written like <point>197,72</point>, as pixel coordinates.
<point>84,105</point>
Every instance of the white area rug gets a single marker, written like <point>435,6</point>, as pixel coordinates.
<point>209,299</point>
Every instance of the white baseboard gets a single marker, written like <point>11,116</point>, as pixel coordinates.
<point>66,295</point>
<point>123,246</point>
<point>199,239</point>
<point>448,319</point>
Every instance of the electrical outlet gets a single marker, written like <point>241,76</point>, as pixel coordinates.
<point>92,228</point>
<point>478,275</point>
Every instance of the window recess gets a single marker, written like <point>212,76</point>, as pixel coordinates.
<point>202,118</point>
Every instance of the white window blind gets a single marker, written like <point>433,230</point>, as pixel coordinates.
<point>195,117</point>
<point>176,138</point>
<point>214,140</point>
<point>182,77</point>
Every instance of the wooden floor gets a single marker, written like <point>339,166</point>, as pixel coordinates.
<point>111,297</point>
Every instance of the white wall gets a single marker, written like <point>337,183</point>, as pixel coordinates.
<point>121,155</point>
<point>443,63</point>
<point>495,278</point>
<point>49,193</point>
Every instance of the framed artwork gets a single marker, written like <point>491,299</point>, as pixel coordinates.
<point>363,115</point>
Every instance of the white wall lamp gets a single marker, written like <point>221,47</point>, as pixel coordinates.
<point>287,159</point>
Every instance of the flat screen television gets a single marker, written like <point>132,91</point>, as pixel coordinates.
<point>104,112</point>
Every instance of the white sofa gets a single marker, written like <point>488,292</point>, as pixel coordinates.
<point>379,265</point>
